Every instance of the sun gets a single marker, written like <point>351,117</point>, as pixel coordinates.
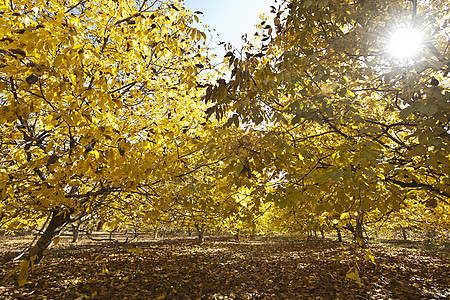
<point>405,43</point>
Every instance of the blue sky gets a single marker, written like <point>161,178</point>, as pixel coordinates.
<point>231,18</point>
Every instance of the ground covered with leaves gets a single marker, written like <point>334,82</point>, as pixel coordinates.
<point>257,268</point>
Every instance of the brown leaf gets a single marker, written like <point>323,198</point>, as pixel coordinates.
<point>52,159</point>
<point>18,52</point>
<point>32,79</point>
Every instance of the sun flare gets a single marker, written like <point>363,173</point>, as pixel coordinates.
<point>405,43</point>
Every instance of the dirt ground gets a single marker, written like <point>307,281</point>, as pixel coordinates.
<point>257,268</point>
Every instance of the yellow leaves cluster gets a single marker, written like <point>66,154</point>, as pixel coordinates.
<point>103,97</point>
<point>96,96</point>
<point>348,129</point>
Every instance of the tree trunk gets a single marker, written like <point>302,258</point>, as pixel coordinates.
<point>253,232</point>
<point>75,232</point>
<point>156,231</point>
<point>58,221</point>
<point>405,237</point>
<point>338,231</point>
<point>322,233</point>
<point>359,234</point>
<point>430,235</point>
<point>100,225</point>
<point>200,237</point>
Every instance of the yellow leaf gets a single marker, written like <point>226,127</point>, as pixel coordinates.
<point>104,269</point>
<point>56,240</point>
<point>10,273</point>
<point>344,216</point>
<point>96,154</point>
<point>60,212</point>
<point>162,296</point>
<point>369,256</point>
<point>32,259</point>
<point>24,271</point>
<point>360,241</point>
<point>353,274</point>
<point>13,225</point>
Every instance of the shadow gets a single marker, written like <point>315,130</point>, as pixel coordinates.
<point>439,249</point>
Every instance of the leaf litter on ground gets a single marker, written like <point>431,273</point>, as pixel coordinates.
<point>256,268</point>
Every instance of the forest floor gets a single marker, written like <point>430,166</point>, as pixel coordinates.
<point>257,268</point>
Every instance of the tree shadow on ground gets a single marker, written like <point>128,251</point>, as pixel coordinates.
<point>257,268</point>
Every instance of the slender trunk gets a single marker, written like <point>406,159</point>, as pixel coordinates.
<point>405,237</point>
<point>430,235</point>
<point>156,231</point>
<point>100,225</point>
<point>359,234</point>
<point>338,231</point>
<point>200,237</point>
<point>236,236</point>
<point>58,220</point>
<point>75,232</point>
<point>322,232</point>
<point>253,231</point>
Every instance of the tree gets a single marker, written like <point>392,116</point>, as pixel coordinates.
<point>99,109</point>
<point>351,128</point>
<point>101,118</point>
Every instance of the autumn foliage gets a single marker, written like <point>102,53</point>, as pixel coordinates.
<point>112,117</point>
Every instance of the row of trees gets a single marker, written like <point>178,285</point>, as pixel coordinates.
<point>112,111</point>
